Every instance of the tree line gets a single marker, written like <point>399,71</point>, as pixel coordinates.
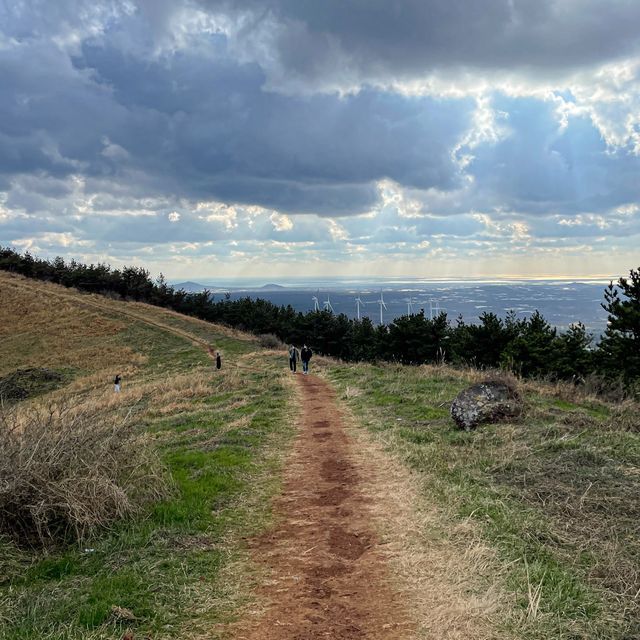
<point>530,346</point>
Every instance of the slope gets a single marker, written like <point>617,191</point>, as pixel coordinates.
<point>387,522</point>
<point>175,573</point>
<point>220,435</point>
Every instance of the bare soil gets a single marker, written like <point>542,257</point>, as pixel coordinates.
<point>327,574</point>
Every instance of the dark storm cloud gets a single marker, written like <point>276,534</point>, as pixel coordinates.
<point>200,126</point>
<point>409,37</point>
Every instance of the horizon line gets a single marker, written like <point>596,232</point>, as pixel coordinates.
<point>274,279</point>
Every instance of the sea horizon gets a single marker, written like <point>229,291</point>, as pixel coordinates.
<point>306,282</point>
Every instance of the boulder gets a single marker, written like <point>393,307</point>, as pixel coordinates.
<point>488,401</point>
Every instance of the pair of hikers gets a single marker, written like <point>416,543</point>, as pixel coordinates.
<point>304,356</point>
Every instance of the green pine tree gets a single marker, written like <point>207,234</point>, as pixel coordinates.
<point>619,349</point>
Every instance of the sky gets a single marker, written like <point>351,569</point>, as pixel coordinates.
<point>425,138</point>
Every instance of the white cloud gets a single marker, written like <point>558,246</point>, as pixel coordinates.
<point>337,231</point>
<point>281,222</point>
<point>218,212</point>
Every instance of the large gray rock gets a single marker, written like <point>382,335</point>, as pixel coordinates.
<point>488,401</point>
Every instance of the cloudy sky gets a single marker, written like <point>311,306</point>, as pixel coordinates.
<point>323,137</point>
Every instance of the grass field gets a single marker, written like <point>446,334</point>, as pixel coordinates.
<point>548,505</point>
<point>556,494</point>
<point>220,435</point>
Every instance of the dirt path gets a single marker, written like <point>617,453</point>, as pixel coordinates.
<point>327,576</point>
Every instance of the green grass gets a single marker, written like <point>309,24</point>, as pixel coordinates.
<point>168,567</point>
<point>557,493</point>
<point>229,347</point>
<point>166,352</point>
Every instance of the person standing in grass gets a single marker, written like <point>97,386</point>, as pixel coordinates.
<point>116,383</point>
<point>305,356</point>
<point>293,358</point>
<point>218,360</point>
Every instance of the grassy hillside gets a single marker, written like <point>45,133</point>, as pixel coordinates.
<point>167,572</point>
<point>551,501</point>
<point>556,494</point>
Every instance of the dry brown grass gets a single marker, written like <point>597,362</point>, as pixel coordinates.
<point>75,461</point>
<point>67,470</point>
<point>591,391</point>
<point>37,328</point>
<point>154,395</point>
<point>271,341</point>
<point>78,461</point>
<point>44,324</point>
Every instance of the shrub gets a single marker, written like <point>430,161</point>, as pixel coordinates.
<point>66,471</point>
<point>271,341</point>
<point>25,383</point>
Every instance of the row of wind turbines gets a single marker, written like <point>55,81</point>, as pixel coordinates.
<point>434,305</point>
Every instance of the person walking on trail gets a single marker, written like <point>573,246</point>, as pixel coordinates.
<point>218,360</point>
<point>293,358</point>
<point>305,356</point>
<point>116,383</point>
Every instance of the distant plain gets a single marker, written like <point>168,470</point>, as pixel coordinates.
<point>561,302</point>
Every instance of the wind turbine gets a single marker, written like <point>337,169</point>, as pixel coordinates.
<point>327,304</point>
<point>435,308</point>
<point>316,302</point>
<point>410,302</point>
<point>382,305</point>
<point>359,302</point>
<point>432,308</point>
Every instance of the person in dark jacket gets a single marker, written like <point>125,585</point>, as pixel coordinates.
<point>116,383</point>
<point>293,358</point>
<point>305,356</point>
<point>218,360</point>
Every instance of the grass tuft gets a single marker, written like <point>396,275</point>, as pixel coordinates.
<point>67,471</point>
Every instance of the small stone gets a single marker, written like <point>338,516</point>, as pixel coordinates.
<point>121,614</point>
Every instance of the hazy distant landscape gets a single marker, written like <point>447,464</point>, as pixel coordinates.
<point>561,302</point>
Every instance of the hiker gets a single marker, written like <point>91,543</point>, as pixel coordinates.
<point>293,358</point>
<point>305,356</point>
<point>116,383</point>
<point>218,360</point>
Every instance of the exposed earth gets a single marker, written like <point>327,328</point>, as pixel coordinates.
<point>327,575</point>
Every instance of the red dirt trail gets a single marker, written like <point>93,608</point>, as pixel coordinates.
<point>327,577</point>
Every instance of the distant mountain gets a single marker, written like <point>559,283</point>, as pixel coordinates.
<point>272,286</point>
<point>189,287</point>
